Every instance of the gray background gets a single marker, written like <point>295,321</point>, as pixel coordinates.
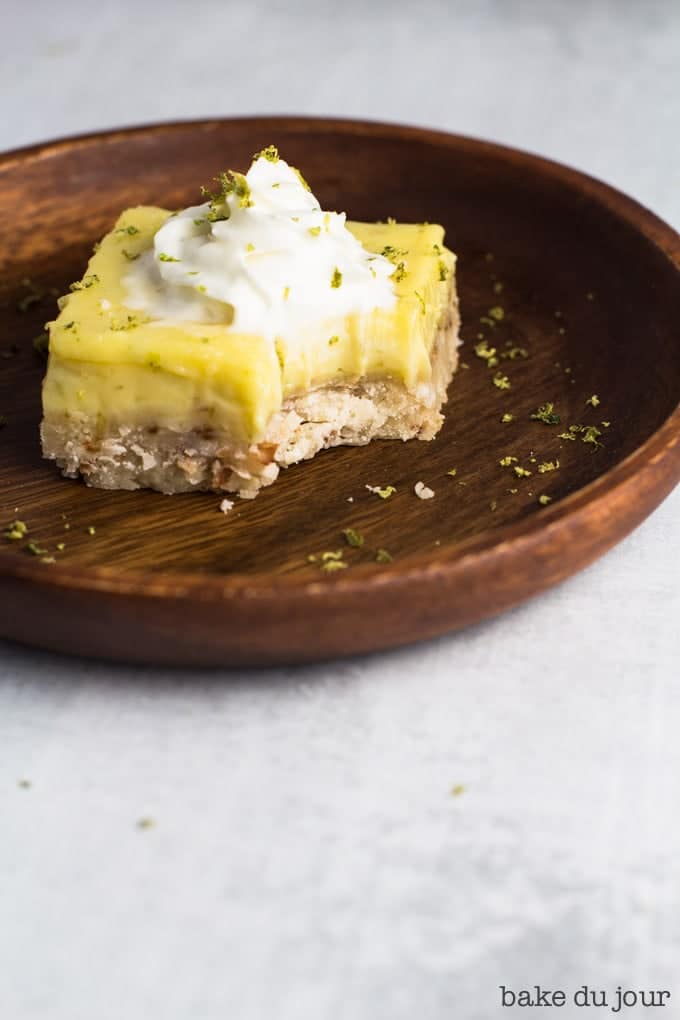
<point>308,860</point>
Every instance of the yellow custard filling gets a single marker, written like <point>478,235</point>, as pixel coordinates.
<point>113,365</point>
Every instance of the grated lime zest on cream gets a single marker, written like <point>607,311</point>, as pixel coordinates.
<point>230,267</point>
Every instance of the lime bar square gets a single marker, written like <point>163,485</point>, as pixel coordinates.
<point>131,401</point>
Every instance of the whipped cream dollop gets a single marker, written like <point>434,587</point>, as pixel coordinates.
<point>262,256</point>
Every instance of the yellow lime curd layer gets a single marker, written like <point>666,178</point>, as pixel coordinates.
<point>114,366</point>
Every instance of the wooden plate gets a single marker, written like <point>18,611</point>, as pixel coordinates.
<point>589,286</point>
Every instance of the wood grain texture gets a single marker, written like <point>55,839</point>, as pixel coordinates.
<point>589,283</point>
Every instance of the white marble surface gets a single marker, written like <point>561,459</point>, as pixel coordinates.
<point>308,860</point>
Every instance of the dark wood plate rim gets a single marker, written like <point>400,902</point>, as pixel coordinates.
<point>651,471</point>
